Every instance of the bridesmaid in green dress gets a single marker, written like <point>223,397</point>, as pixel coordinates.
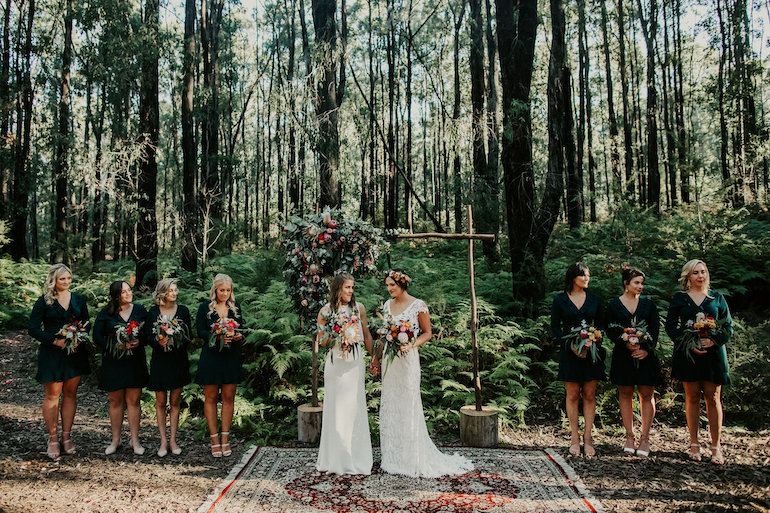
<point>634,362</point>
<point>169,366</point>
<point>579,372</point>
<point>122,376</point>
<point>58,371</point>
<point>220,367</point>
<point>705,370</point>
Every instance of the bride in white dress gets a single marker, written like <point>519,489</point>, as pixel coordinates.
<point>346,446</point>
<point>404,441</point>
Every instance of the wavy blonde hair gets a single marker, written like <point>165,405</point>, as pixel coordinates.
<point>54,272</point>
<point>222,279</point>
<point>687,269</point>
<point>161,289</point>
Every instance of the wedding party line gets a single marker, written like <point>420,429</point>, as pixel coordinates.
<point>698,321</point>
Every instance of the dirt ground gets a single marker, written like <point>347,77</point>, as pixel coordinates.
<point>92,482</point>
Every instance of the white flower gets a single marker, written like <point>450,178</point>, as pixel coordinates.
<point>389,338</point>
<point>403,337</point>
<point>350,334</point>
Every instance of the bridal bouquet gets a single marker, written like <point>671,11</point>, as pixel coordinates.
<point>579,338</point>
<point>124,335</point>
<point>74,334</point>
<point>704,326</point>
<point>222,331</point>
<point>343,330</point>
<point>397,333</point>
<point>635,334</point>
<point>167,331</point>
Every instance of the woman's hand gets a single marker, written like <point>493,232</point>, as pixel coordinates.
<point>375,367</point>
<point>59,342</point>
<point>132,344</point>
<point>705,343</point>
<point>639,354</point>
<point>632,347</point>
<point>237,336</point>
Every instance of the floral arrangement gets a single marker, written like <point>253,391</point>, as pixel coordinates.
<point>222,332</point>
<point>636,334</point>
<point>342,330</point>
<point>397,333</point>
<point>704,326</point>
<point>74,333</point>
<point>124,335</point>
<point>583,339</point>
<point>167,331</point>
<point>319,245</point>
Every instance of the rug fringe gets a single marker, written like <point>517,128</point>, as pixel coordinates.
<point>577,482</point>
<point>211,500</point>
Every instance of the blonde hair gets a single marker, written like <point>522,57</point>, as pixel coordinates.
<point>687,269</point>
<point>54,272</point>
<point>161,290</point>
<point>222,279</point>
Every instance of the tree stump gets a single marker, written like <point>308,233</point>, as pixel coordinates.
<point>309,422</point>
<point>478,428</point>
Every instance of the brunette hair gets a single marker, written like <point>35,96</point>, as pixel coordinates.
<point>334,290</point>
<point>629,273</point>
<point>113,302</point>
<point>400,277</point>
<point>49,288</point>
<point>573,271</point>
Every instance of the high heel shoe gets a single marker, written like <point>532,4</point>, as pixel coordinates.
<point>216,449</point>
<point>162,452</point>
<point>717,458</point>
<point>112,448</point>
<point>68,449</point>
<point>53,447</point>
<point>588,448</point>
<point>227,451</point>
<point>138,449</point>
<point>643,450</point>
<point>630,447</point>
<point>694,454</point>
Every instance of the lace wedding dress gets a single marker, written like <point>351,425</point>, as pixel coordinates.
<point>346,447</point>
<point>404,441</point>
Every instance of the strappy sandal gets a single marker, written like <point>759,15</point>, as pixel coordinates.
<point>589,451</point>
<point>53,447</point>
<point>216,450</point>
<point>226,452</point>
<point>694,455</point>
<point>629,447</point>
<point>574,447</point>
<point>717,458</point>
<point>644,441</point>
<point>69,447</point>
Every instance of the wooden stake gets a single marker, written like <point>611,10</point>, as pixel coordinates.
<point>474,312</point>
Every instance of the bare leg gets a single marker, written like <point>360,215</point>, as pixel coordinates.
<point>175,401</point>
<point>589,412</point>
<point>51,416</point>
<point>211,397</point>
<point>69,404</point>
<point>160,415</point>
<point>712,393</point>
<point>647,403</point>
<point>117,399</point>
<point>134,417</point>
<point>692,391</point>
<point>573,395</point>
<point>228,407</point>
<point>626,400</point>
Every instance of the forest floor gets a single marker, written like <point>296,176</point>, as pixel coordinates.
<point>92,482</point>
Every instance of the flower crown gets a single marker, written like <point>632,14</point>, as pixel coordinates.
<point>399,277</point>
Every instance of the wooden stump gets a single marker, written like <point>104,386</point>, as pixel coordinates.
<point>309,422</point>
<point>478,428</point>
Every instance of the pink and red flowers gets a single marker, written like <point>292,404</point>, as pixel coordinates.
<point>223,331</point>
<point>126,336</point>
<point>74,334</point>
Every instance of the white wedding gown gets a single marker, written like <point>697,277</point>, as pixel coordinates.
<point>404,441</point>
<point>346,446</point>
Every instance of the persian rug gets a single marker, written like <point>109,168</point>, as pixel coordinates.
<point>284,480</point>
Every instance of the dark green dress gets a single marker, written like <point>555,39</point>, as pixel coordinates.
<point>623,370</point>
<point>128,371</point>
<point>169,370</point>
<point>711,366</point>
<point>564,316</point>
<point>53,363</point>
<point>217,367</point>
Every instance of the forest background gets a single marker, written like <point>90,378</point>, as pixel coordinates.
<point>165,138</point>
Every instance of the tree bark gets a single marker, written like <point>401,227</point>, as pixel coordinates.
<point>613,122</point>
<point>189,155</point>
<point>650,30</point>
<point>627,137</point>
<point>584,74</point>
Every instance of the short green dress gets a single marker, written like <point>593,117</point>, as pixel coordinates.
<point>54,365</point>
<point>169,370</point>
<point>712,366</point>
<point>565,316</point>
<point>218,367</point>
<point>128,371</point>
<point>623,369</point>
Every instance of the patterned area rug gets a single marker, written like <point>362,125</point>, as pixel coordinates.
<point>282,480</point>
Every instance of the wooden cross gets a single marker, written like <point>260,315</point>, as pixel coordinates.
<point>470,237</point>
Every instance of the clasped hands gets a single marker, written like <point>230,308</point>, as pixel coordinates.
<point>636,351</point>
<point>705,343</point>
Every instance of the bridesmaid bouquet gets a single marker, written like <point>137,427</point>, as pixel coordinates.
<point>166,332</point>
<point>341,330</point>
<point>124,335</point>
<point>578,338</point>
<point>704,326</point>
<point>74,333</point>
<point>635,334</point>
<point>220,331</point>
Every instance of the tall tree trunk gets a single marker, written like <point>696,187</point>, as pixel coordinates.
<point>481,188</point>
<point>723,137</point>
<point>211,18</point>
<point>614,152</point>
<point>458,203</point>
<point>189,161</point>
<point>585,82</point>
<point>5,109</point>
<point>59,250</point>
<point>390,179</point>
<point>671,164</point>
<point>681,135</point>
<point>650,30</point>
<point>491,249</point>
<point>627,139</point>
